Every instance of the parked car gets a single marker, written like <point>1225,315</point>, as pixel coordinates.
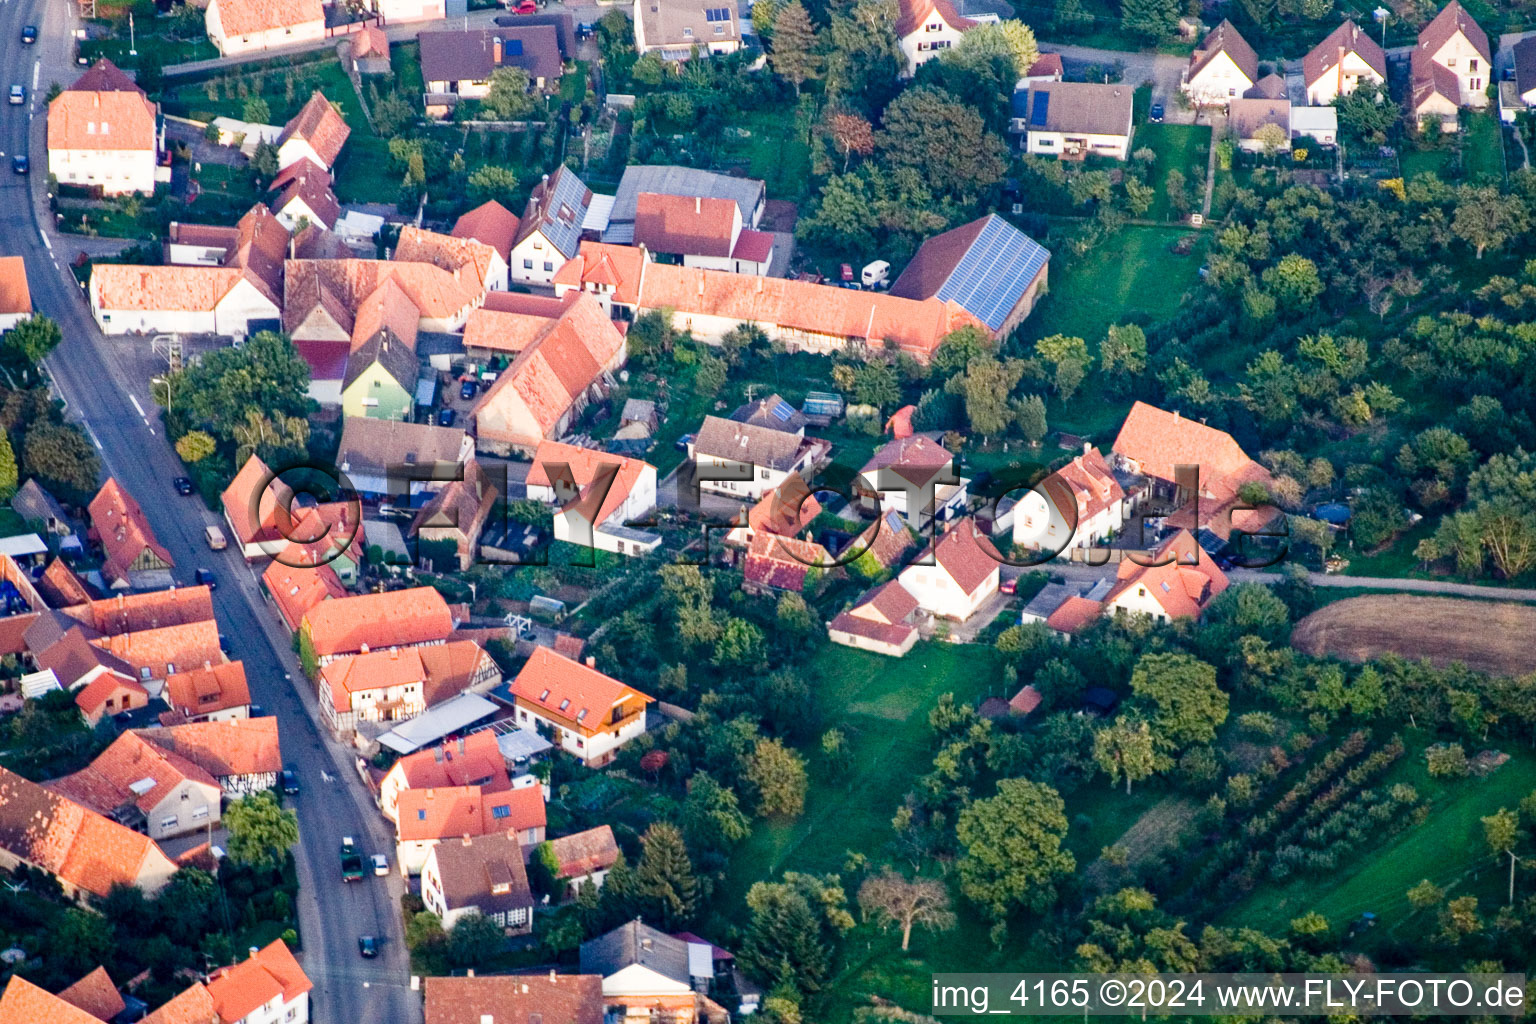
<point>18,95</point>
<point>683,442</point>
<point>20,164</point>
<point>585,30</point>
<point>446,417</point>
<point>290,782</point>
<point>525,7</point>
<point>368,946</point>
<point>380,864</point>
<point>29,34</point>
<point>215,538</point>
<point>206,578</point>
<point>467,390</point>
<point>1155,115</point>
<point>1009,586</point>
<point>183,485</point>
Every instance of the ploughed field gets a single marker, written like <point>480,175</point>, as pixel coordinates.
<point>1489,636</point>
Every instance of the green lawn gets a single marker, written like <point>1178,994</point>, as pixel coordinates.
<point>776,149</point>
<point>284,84</point>
<point>573,86</point>
<point>1443,849</point>
<point>1482,152</point>
<point>1185,147</point>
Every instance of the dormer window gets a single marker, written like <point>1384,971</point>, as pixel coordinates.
<point>688,32</point>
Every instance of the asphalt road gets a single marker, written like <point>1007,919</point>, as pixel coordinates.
<point>93,376</point>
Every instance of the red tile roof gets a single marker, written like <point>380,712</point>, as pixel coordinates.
<point>469,760</point>
<point>303,182</point>
<point>261,509</point>
<point>1453,18</point>
<point>514,999</point>
<point>444,812</point>
<point>127,613</point>
<point>966,554</point>
<point>457,254</point>
<point>1346,39</point>
<point>120,120</point>
<point>1086,484</point>
<point>1073,614</point>
<point>1183,586</point>
<point>691,226</point>
<point>317,123</point>
<point>193,1006</point>
<point>166,649</point>
<point>348,625</point>
<point>205,690</point>
<point>887,539</point>
<point>786,510</point>
<point>118,523</point>
<point>890,603</point>
<point>105,76</point>
<point>753,246</point>
<point>25,1003</point>
<point>491,223</point>
<point>75,844</point>
<point>1025,701</point>
<point>255,981</point>
<point>444,670</point>
<point>783,562</point>
<point>582,853</point>
<point>584,467</point>
<point>1049,64</point>
<point>911,14</point>
<point>296,589</point>
<point>242,746</point>
<point>1224,38</point>
<point>340,285</point>
<point>95,994</point>
<point>118,776</point>
<point>92,698</point>
<point>918,458</point>
<point>15,296</point>
<point>880,632</point>
<point>574,693</point>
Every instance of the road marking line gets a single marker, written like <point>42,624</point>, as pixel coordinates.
<point>46,244</point>
<point>37,69</point>
<point>94,439</point>
<point>135,400</point>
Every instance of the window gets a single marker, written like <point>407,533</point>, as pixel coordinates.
<point>1471,65</point>
<point>421,814</point>
<point>688,33</point>
<point>548,267</point>
<point>544,696</point>
<point>527,264</point>
<point>719,30</point>
<point>501,812</point>
<point>169,822</point>
<point>198,814</point>
<point>565,703</point>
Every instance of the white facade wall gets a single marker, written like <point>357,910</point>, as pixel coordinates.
<point>117,171</point>
<point>640,980</point>
<point>278,1012</point>
<point>290,35</point>
<point>595,749</point>
<point>189,807</point>
<point>1336,81</point>
<point>927,41</point>
<point>1219,81</point>
<point>1472,71</point>
<point>197,255</point>
<point>535,260</point>
<point>395,11</point>
<point>1038,523</point>
<point>1137,600</point>
<point>1053,143</point>
<point>938,594</point>
<point>763,479</point>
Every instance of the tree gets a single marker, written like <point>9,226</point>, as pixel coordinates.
<point>891,898</point>
<point>786,942</point>
<point>544,871</point>
<point>712,817</point>
<point>876,384</point>
<point>1425,895</point>
<point>1271,136</point>
<point>195,446</point>
<point>10,476</point>
<point>764,14</point>
<point>474,940</point>
<point>490,182</point>
<point>851,134</point>
<point>1013,848</point>
<point>264,161</point>
<point>1501,831</point>
<point>1187,703</point>
<point>957,349</point>
<point>31,340</point>
<point>260,830</point>
<point>864,59</point>
<point>984,386</point>
<point>777,774</point>
<point>425,938</point>
<point>943,140</point>
<point>1123,352</point>
<point>1486,218</point>
<point>666,892</point>
<point>266,375</point>
<point>1029,416</point>
<point>1447,760</point>
<point>1152,19</point>
<point>256,110</point>
<point>1069,361</point>
<point>508,98</point>
<point>1367,113</point>
<point>1012,39</point>
<point>1294,282</point>
<point>63,459</point>
<point>1126,750</point>
<point>794,56</point>
<point>392,113</point>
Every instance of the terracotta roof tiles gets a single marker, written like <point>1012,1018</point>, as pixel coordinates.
<point>572,692</point>
<point>582,853</point>
<point>209,689</point>
<point>95,994</point>
<point>450,811</point>
<point>271,972</point>
<point>513,999</point>
<point>317,122</point>
<point>24,1003</point>
<point>491,223</point>
<point>397,618</point>
<point>242,746</point>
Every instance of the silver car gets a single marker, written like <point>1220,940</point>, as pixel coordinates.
<point>18,95</point>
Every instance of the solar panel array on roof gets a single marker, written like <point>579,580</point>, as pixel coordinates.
<point>995,272</point>
<point>562,226</point>
<point>512,47</point>
<point>1042,104</point>
<point>782,411</point>
<point>717,14</point>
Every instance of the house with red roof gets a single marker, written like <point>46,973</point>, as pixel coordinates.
<point>583,857</point>
<point>245,26</point>
<point>294,587</point>
<point>473,760</point>
<point>1192,471</point>
<point>493,224</point>
<point>448,527</point>
<point>914,477</point>
<point>1079,505</point>
<point>400,683</point>
<point>145,788</point>
<point>881,621</point>
<point>1335,67</point>
<point>926,28</point>
<point>1175,580</point>
<point>587,714</point>
<point>785,511</point>
<point>301,194</point>
<point>86,852</point>
<point>264,516</point>
<point>104,132</point>
<point>956,574</point>
<point>566,366</point>
<point>701,231</point>
<point>1222,68</point>
<point>129,547</point>
<point>773,562</point>
<point>316,134</point>
<point>210,693</point>
<point>268,985</point>
<point>96,994</point>
<point>375,622</point>
<point>596,494</point>
<point>445,814</point>
<point>24,1003</point>
<point>242,755</point>
<point>512,999</point>
<point>1451,67</point>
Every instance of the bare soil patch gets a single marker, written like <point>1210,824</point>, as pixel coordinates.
<point>1164,825</point>
<point>1489,636</point>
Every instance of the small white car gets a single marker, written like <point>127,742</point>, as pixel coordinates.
<point>18,95</point>
<point>380,864</point>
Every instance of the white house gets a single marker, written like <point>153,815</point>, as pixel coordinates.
<point>1222,68</point>
<point>1340,63</point>
<point>316,134</point>
<point>1451,66</point>
<point>638,962</point>
<point>915,478</point>
<point>926,28</point>
<point>479,874</point>
<point>586,713</point>
<point>268,987</point>
<point>1079,505</point>
<point>128,299</point>
<point>394,12</point>
<point>1074,119</point>
<point>550,231</point>
<point>246,26</point>
<point>956,575</point>
<point>675,28</point>
<point>597,493</point>
<point>104,132</point>
<point>742,460</point>
<point>1247,117</point>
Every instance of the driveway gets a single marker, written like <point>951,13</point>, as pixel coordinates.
<point>1162,70</point>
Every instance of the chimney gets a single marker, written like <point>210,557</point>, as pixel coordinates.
<point>496,50</point>
<point>469,973</point>
<point>251,952</point>
<point>461,744</point>
<point>698,204</point>
<point>1087,447</point>
<point>466,838</point>
<point>1175,415</point>
<point>591,662</point>
<point>362,648</point>
<point>551,975</point>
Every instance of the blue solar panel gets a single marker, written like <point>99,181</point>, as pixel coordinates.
<point>717,14</point>
<point>1042,103</point>
<point>995,272</point>
<point>781,411</point>
<point>512,47</point>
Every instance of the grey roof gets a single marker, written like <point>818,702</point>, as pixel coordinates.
<point>471,56</point>
<point>1087,107</point>
<point>434,344</point>
<point>386,349</point>
<point>1047,600</point>
<point>372,446</point>
<point>434,724</point>
<point>556,207</point>
<point>636,943</point>
<point>670,180</point>
<point>33,503</point>
<point>515,743</point>
<point>638,410</point>
<point>771,412</point>
<point>1525,64</point>
<point>985,267</point>
<point>743,442</point>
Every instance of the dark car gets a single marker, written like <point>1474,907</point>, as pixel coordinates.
<point>257,711</point>
<point>183,485</point>
<point>20,164</point>
<point>467,390</point>
<point>368,946</point>
<point>682,443</point>
<point>446,417</point>
<point>290,782</point>
<point>29,34</point>
<point>207,578</point>
<point>1156,114</point>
